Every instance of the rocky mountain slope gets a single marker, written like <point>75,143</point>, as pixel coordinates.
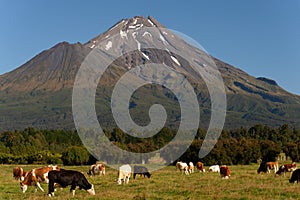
<point>39,93</point>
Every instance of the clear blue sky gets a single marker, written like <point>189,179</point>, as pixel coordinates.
<point>260,37</point>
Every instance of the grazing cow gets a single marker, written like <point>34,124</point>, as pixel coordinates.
<point>124,174</point>
<point>286,168</point>
<point>262,167</point>
<point>267,167</point>
<point>183,167</point>
<point>141,170</point>
<point>272,165</point>
<point>225,172</point>
<point>96,169</point>
<point>69,177</point>
<point>191,167</point>
<point>200,166</point>
<point>214,168</point>
<point>19,173</point>
<point>35,176</point>
<point>295,176</point>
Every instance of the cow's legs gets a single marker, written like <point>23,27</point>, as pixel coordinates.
<point>73,189</point>
<point>51,188</point>
<point>39,186</point>
<point>126,179</point>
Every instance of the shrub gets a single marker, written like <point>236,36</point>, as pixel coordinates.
<point>75,155</point>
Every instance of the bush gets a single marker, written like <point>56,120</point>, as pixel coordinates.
<point>75,155</point>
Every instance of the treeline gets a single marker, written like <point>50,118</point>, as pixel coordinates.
<point>32,146</point>
<point>239,146</point>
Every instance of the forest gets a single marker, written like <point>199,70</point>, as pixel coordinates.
<point>239,146</point>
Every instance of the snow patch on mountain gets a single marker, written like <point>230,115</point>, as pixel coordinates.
<point>138,43</point>
<point>123,34</point>
<point>108,45</point>
<point>147,57</point>
<point>163,39</point>
<point>150,22</point>
<point>175,60</point>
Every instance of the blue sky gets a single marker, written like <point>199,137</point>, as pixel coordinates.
<point>260,37</point>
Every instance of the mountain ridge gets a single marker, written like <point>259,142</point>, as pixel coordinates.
<point>38,93</point>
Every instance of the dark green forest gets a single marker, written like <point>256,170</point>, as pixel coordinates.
<point>239,146</point>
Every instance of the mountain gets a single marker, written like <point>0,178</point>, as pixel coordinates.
<point>39,93</point>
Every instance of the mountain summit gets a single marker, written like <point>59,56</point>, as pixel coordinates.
<point>39,93</point>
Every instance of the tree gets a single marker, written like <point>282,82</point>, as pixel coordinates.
<point>75,155</point>
<point>269,150</point>
<point>291,150</point>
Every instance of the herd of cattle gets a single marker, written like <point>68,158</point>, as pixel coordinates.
<point>55,177</point>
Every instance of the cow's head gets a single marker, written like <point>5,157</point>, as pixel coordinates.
<point>119,181</point>
<point>56,167</point>
<point>23,187</point>
<point>92,190</point>
<point>148,174</point>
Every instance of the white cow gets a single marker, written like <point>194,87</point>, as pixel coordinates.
<point>214,168</point>
<point>182,166</point>
<point>124,174</point>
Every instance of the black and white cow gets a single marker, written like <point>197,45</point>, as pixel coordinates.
<point>295,176</point>
<point>141,170</point>
<point>69,177</point>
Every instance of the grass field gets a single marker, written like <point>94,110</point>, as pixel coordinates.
<point>166,183</point>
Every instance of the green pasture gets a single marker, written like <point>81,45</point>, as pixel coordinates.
<point>166,183</point>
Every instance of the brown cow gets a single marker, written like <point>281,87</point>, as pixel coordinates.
<point>19,173</point>
<point>200,166</point>
<point>272,165</point>
<point>225,172</point>
<point>191,167</point>
<point>35,176</point>
<point>267,167</point>
<point>286,168</point>
<point>183,167</point>
<point>97,168</point>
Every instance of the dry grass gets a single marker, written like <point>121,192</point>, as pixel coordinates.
<point>166,183</point>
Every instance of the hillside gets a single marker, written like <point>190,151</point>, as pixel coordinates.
<point>39,93</point>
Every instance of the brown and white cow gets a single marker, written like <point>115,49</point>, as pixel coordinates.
<point>272,166</point>
<point>286,168</point>
<point>37,176</point>
<point>225,172</point>
<point>200,167</point>
<point>183,167</point>
<point>96,169</point>
<point>19,173</point>
<point>191,167</point>
<point>267,167</point>
<point>124,174</point>
<point>214,168</point>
